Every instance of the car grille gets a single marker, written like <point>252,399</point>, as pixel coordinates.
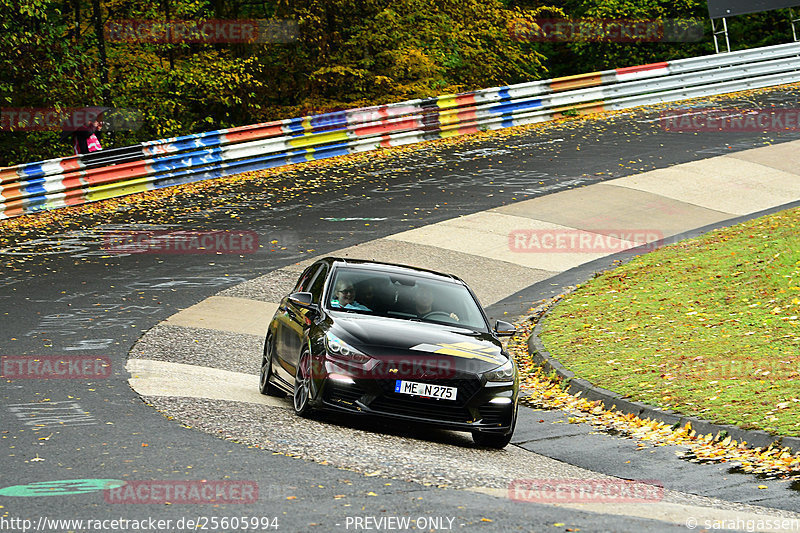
<point>421,407</point>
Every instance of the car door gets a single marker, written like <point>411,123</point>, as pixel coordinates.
<point>294,322</point>
<point>284,327</point>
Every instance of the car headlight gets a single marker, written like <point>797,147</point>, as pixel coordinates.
<point>505,372</point>
<point>340,349</point>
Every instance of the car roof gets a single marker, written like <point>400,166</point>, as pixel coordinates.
<point>364,264</point>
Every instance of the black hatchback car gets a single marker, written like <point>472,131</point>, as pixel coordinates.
<point>392,341</point>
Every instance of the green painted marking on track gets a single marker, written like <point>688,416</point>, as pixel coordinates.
<point>350,218</point>
<point>61,488</point>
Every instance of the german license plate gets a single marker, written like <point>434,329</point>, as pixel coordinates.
<point>425,389</point>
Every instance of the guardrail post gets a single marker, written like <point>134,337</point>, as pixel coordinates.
<point>723,31</point>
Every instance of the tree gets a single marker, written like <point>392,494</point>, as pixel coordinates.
<point>346,53</point>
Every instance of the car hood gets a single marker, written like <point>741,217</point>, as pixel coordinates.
<point>469,350</point>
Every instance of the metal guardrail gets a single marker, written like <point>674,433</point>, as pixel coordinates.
<point>167,162</point>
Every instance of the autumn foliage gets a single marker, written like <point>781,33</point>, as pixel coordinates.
<point>342,54</point>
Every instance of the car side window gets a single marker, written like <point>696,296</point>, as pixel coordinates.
<point>318,283</point>
<point>305,279</point>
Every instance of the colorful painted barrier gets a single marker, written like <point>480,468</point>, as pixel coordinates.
<point>163,163</point>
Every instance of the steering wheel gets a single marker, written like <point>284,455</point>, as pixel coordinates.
<point>437,313</point>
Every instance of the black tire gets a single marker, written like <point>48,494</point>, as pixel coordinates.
<point>301,399</point>
<point>495,440</point>
<point>264,382</point>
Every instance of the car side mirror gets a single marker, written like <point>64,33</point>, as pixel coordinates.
<point>304,300</point>
<point>504,329</point>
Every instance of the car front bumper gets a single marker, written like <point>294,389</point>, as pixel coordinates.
<point>479,404</point>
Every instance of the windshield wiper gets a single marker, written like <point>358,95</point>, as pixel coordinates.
<point>467,331</point>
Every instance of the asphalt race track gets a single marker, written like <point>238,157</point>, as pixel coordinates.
<point>62,294</point>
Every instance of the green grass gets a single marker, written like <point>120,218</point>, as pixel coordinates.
<point>707,327</point>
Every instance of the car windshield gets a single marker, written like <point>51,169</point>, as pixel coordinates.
<point>404,296</point>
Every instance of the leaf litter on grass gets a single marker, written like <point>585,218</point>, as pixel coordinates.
<point>546,392</point>
<point>707,327</point>
<point>718,342</point>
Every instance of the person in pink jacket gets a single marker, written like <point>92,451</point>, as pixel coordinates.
<point>86,137</point>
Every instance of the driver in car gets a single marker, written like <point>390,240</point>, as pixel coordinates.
<point>344,296</point>
<point>423,303</point>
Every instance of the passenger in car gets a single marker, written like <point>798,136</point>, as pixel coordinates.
<point>423,303</point>
<point>345,296</point>
<point>375,294</point>
<point>366,293</point>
